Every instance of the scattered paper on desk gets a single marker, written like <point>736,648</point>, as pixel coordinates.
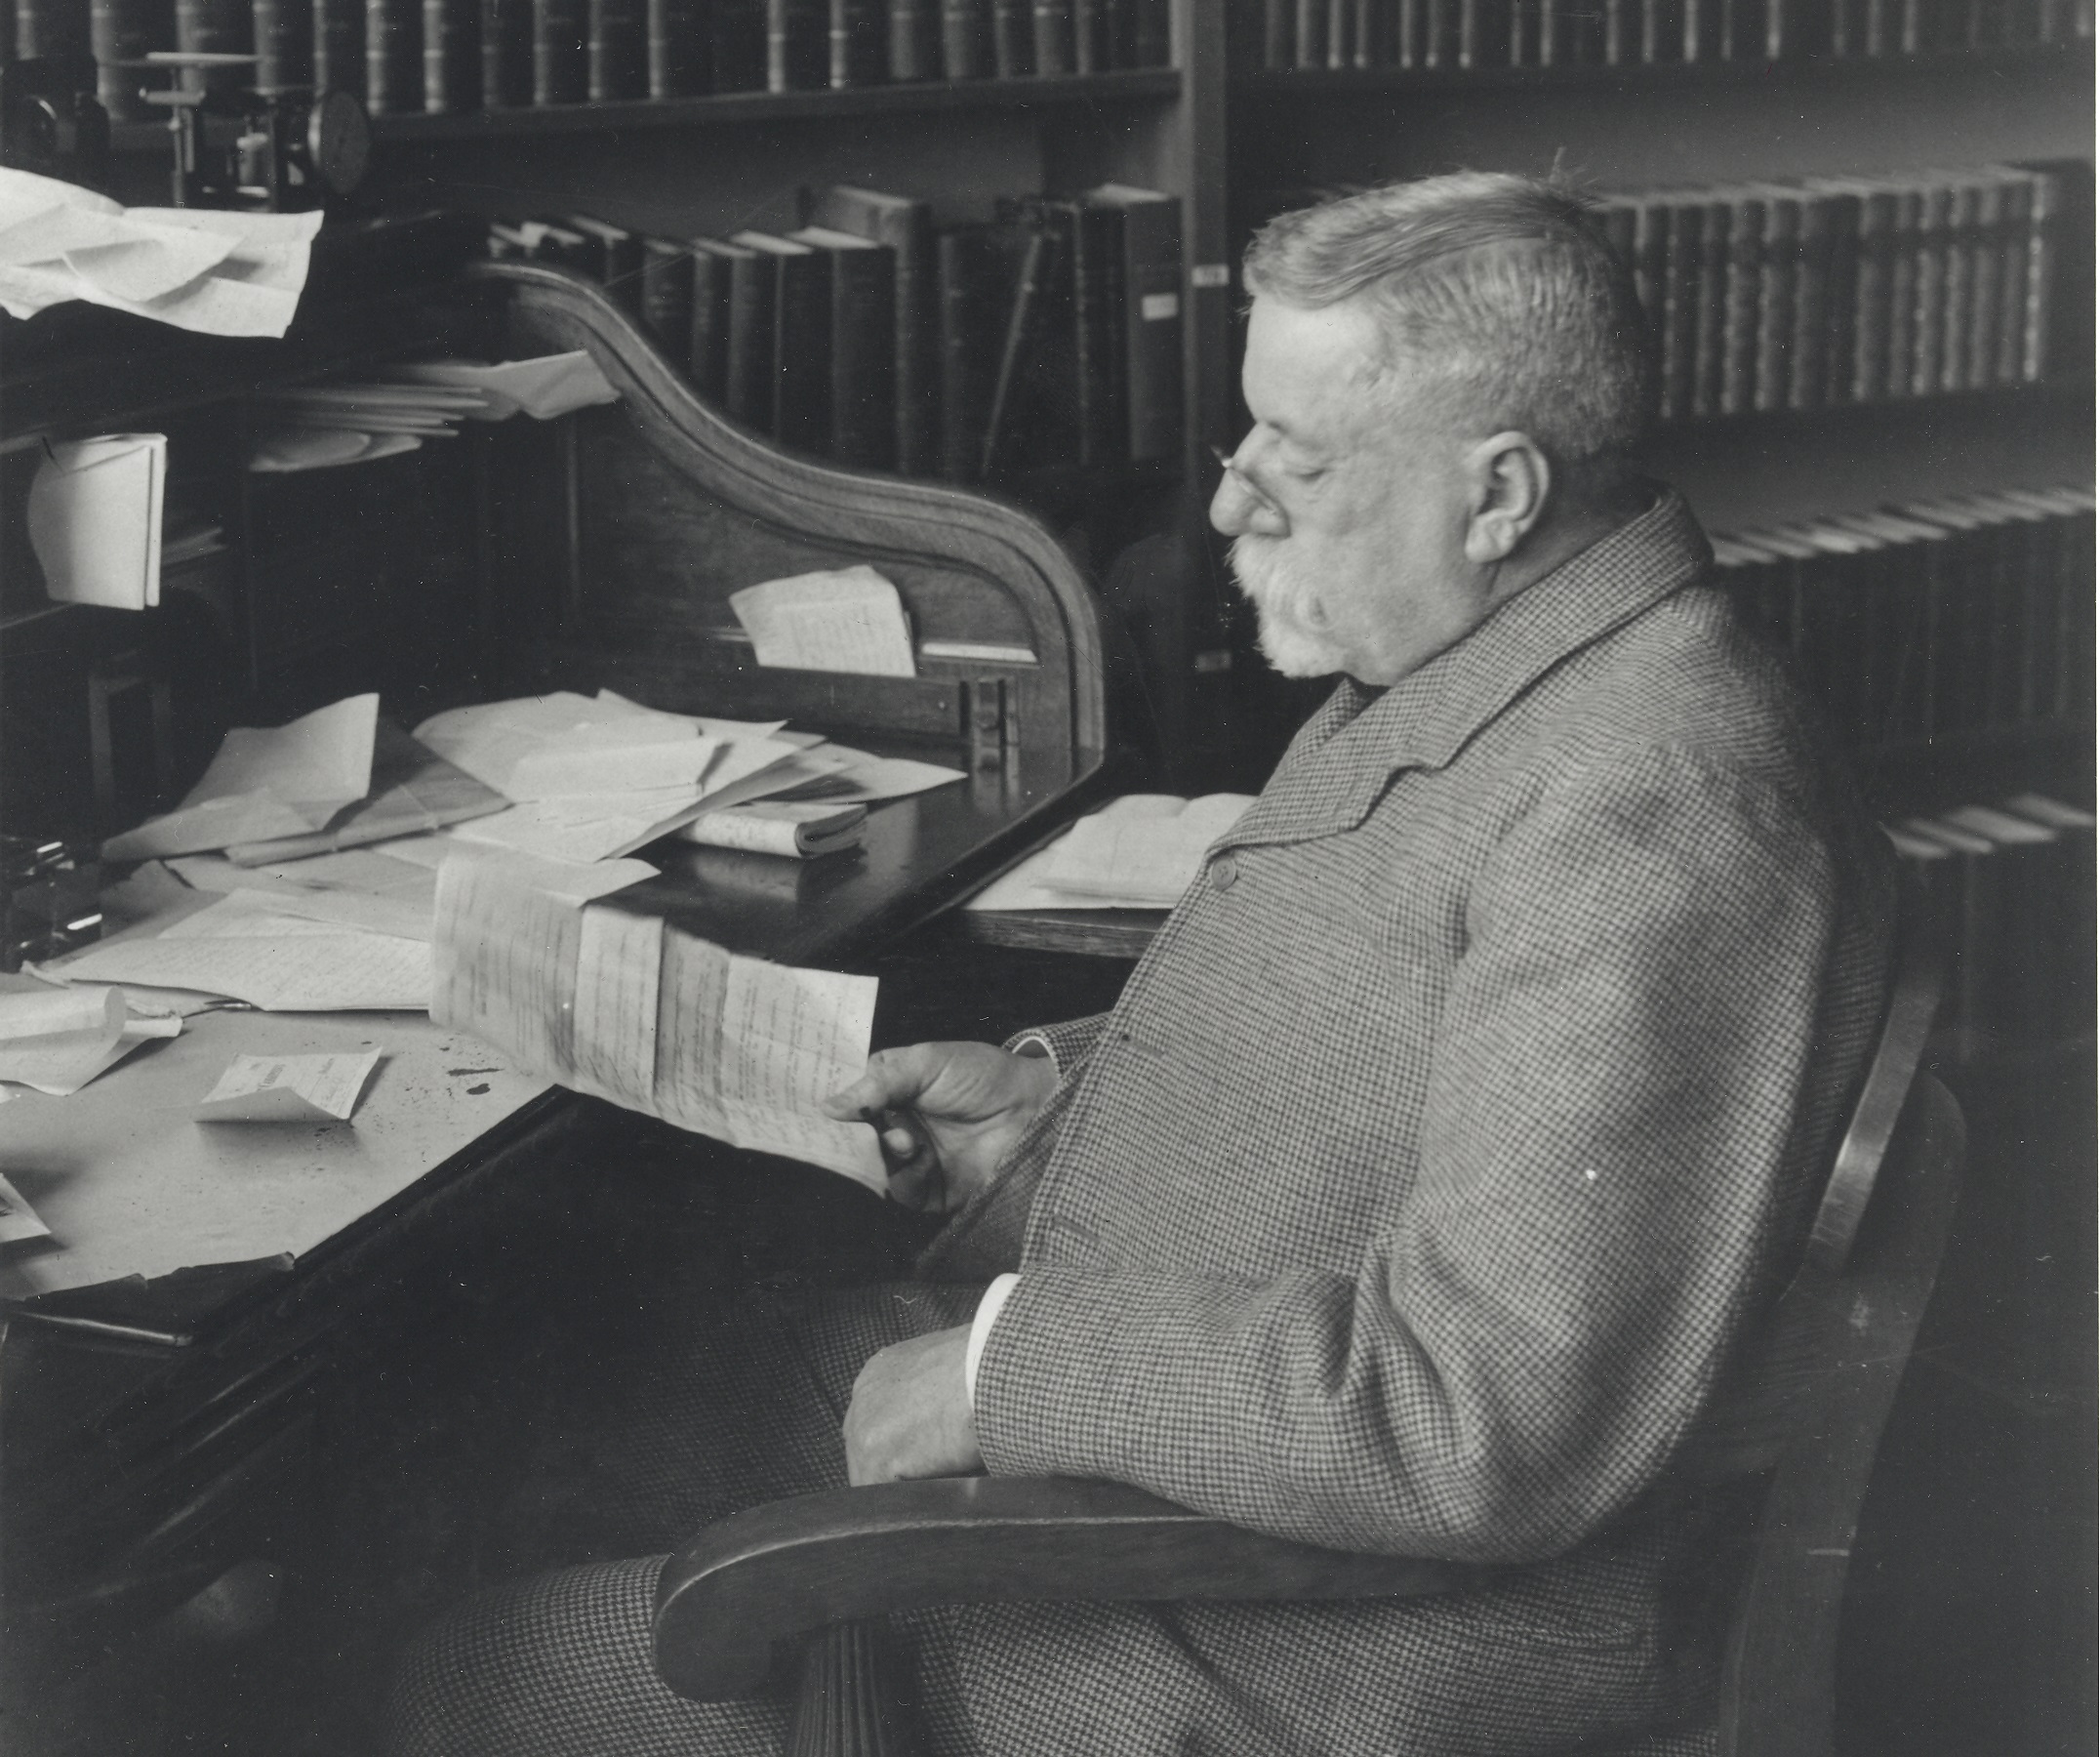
<point>412,790</point>
<point>266,782</point>
<point>1140,851</point>
<point>564,744</point>
<point>321,973</point>
<point>860,777</point>
<point>289,1088</point>
<point>18,1219</point>
<point>94,519</point>
<point>657,1020</point>
<point>218,272</point>
<point>551,385</point>
<point>57,1041</point>
<point>847,619</point>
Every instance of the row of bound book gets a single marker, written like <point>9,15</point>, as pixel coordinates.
<point>1934,618</point>
<point>2009,887</point>
<point>445,56</point>
<point>1475,35</point>
<point>1051,335</point>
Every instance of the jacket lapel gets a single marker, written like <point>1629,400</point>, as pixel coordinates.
<point>1345,756</point>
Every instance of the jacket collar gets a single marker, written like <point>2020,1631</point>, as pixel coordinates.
<point>1342,760</point>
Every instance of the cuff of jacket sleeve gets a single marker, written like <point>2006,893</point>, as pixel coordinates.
<point>987,1314</point>
<point>1066,1044</point>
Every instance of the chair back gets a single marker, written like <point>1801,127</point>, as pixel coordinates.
<point>1844,1330</point>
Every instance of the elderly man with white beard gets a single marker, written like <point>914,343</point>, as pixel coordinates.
<point>1433,1175</point>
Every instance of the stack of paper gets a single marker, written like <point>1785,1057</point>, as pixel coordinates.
<point>632,1010</point>
<point>317,426</point>
<point>1141,851</point>
<point>221,272</point>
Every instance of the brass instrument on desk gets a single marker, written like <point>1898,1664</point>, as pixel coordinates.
<point>296,148</point>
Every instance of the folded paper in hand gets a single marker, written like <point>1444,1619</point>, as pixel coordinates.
<point>629,1010</point>
<point>266,782</point>
<point>223,273</point>
<point>94,519</point>
<point>849,620</point>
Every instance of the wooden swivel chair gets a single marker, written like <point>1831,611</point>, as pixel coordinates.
<point>817,1571</point>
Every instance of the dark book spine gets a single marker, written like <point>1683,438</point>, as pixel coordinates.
<point>859,43</point>
<point>752,368</point>
<point>1684,229</point>
<point>122,31</point>
<point>966,42</point>
<point>1020,342</point>
<point>667,303</point>
<point>798,45</point>
<point>1309,34</point>
<point>1622,32</point>
<point>1440,33</point>
<point>1662,30</point>
<point>2012,260</point>
<point>966,271</point>
<point>1710,328</point>
<point>393,57</point>
<point>1371,22</point>
<point>1013,38</point>
<point>1151,317</point>
<point>1987,257</point>
<point>1090,44</point>
<point>1340,33</point>
<point>618,57</point>
<point>339,46</point>
<point>560,60</point>
<point>1483,34</point>
<point>1958,289</point>
<point>677,48</point>
<point>1738,342</point>
<point>201,27</point>
<point>736,34</point>
<point>1100,340</point>
<point>1929,289</point>
<point>1870,250</point>
<point>58,29</point>
<point>1279,19</point>
<point>1647,248</point>
<point>1810,352</point>
<point>864,358</point>
<point>914,40</point>
<point>906,230</point>
<point>505,54</point>
<point>451,54</point>
<point>707,346</point>
<point>802,352</point>
<point>284,45</point>
<point>1702,30</point>
<point>2045,202</point>
<point>1053,36</point>
<point>1902,332</point>
<point>1777,262</point>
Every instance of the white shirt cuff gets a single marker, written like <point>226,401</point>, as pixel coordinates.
<point>988,1309</point>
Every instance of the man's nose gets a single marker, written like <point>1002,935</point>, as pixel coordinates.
<point>1239,508</point>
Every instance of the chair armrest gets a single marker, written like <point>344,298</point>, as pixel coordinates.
<point>762,1576</point>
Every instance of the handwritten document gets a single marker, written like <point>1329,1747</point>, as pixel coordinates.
<point>282,972</point>
<point>850,620</point>
<point>652,1018</point>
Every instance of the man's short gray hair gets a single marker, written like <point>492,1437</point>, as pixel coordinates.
<point>1503,285</point>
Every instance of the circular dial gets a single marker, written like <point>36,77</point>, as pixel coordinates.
<point>338,136</point>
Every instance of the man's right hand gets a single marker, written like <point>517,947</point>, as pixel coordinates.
<point>948,1114</point>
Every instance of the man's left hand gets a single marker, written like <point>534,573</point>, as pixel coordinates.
<point>910,1412</point>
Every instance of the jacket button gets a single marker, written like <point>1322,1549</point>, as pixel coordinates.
<point>1223,873</point>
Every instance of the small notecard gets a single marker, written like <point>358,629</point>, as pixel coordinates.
<point>289,1088</point>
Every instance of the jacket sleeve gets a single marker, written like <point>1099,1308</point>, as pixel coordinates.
<point>1545,1304</point>
<point>985,1236</point>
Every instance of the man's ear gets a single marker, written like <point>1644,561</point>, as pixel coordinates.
<point>1510,483</point>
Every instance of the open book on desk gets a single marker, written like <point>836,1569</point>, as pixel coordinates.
<point>628,1008</point>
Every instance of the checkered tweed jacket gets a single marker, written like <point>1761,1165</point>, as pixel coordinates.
<point>1449,1145</point>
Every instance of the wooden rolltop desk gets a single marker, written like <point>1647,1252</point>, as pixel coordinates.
<point>173,1515</point>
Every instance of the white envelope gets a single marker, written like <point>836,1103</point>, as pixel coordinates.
<point>266,782</point>
<point>95,518</point>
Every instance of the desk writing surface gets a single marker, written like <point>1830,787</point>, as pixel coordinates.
<point>129,1184</point>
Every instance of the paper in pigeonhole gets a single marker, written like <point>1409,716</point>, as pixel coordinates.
<point>847,619</point>
<point>94,517</point>
<point>55,1041</point>
<point>543,388</point>
<point>289,1088</point>
<point>266,782</point>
